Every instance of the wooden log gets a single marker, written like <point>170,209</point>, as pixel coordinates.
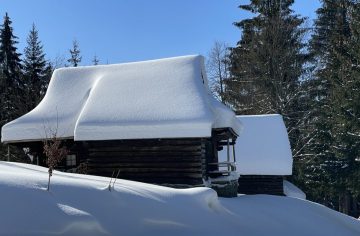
<point>137,159</point>
<point>145,154</point>
<point>257,184</point>
<point>147,165</point>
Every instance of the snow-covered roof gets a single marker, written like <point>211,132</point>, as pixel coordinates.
<point>263,147</point>
<point>166,98</point>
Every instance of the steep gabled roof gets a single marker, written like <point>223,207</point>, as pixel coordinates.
<point>166,98</point>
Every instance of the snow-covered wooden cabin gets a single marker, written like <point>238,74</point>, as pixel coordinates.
<point>263,154</point>
<point>155,121</point>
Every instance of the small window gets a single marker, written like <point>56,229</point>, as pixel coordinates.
<point>71,160</point>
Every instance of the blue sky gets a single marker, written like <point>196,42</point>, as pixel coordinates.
<point>131,30</point>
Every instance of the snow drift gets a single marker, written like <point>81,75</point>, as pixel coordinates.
<point>166,98</point>
<point>83,205</point>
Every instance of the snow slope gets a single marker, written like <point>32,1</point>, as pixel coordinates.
<point>83,205</point>
<point>165,98</point>
<point>263,146</point>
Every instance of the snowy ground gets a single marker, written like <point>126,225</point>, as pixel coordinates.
<point>83,205</point>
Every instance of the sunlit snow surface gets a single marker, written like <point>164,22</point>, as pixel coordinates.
<point>83,205</point>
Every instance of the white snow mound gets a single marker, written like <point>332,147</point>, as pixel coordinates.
<point>83,205</point>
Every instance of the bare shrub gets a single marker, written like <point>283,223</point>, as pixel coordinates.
<point>55,153</point>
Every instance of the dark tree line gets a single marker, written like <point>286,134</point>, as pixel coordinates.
<point>313,82</point>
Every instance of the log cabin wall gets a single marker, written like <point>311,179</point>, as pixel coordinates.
<point>182,162</point>
<point>173,162</point>
<point>261,184</point>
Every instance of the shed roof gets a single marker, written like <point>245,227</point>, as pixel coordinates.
<point>165,98</point>
<point>263,148</point>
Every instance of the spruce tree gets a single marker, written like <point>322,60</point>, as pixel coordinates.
<point>345,103</point>
<point>11,84</point>
<point>75,57</point>
<point>318,175</point>
<point>354,88</point>
<point>36,72</point>
<point>268,64</point>
<point>335,46</point>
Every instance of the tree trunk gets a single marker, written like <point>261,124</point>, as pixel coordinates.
<point>345,202</point>
<point>355,209</point>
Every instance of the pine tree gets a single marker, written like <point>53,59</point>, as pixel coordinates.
<point>75,57</point>
<point>268,65</point>
<point>36,71</point>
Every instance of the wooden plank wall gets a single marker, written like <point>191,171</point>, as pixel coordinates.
<point>261,184</point>
<point>158,161</point>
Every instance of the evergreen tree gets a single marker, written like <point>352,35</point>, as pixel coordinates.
<point>317,174</point>
<point>268,64</point>
<point>36,70</point>
<point>346,104</point>
<point>11,86</point>
<point>11,83</point>
<point>335,46</point>
<point>75,57</point>
<point>95,60</point>
<point>354,89</point>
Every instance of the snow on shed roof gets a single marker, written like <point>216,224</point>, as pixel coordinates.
<point>165,98</point>
<point>263,147</point>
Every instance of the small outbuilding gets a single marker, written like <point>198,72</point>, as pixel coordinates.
<point>155,121</point>
<point>263,154</point>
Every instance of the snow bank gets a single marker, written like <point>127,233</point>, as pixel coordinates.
<point>83,205</point>
<point>166,98</point>
<point>263,147</point>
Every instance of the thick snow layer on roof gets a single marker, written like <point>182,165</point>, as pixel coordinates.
<point>263,147</point>
<point>166,98</point>
<point>83,205</point>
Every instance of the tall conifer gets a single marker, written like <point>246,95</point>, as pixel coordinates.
<point>268,64</point>
<point>11,83</point>
<point>36,73</point>
<point>335,46</point>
